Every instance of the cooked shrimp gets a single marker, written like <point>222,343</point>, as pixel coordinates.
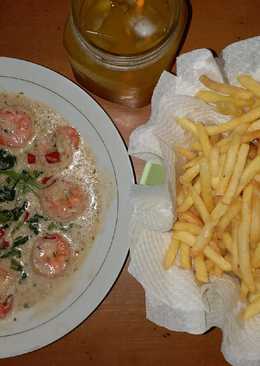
<point>7,289</point>
<point>16,128</point>
<point>67,132</point>
<point>64,201</point>
<point>50,255</point>
<point>55,152</point>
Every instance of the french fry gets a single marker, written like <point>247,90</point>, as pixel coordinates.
<point>191,218</point>
<point>217,259</point>
<point>185,237</point>
<point>235,233</point>
<point>217,271</point>
<point>203,239</point>
<point>180,196</point>
<point>224,88</point>
<point>243,291</point>
<point>228,108</point>
<point>214,139</point>
<point>214,245</point>
<point>250,136</point>
<point>199,205</point>
<point>187,125</point>
<point>237,172</point>
<point>241,129</point>
<point>228,258</point>
<point>258,148</point>
<point>257,282</point>
<point>249,173</point>
<point>248,117</point>
<point>218,212</point>
<point>186,205</point>
<point>256,103</point>
<point>201,272</point>
<point>253,297</point>
<point>253,152</point>
<point>243,239</point>
<point>229,164</point>
<point>256,257</point>
<point>227,239</point>
<point>254,126</point>
<point>171,254</point>
<point>249,83</point>
<point>232,212</point>
<point>212,97</point>
<point>218,196</point>
<point>252,309</point>
<point>203,139</point>
<point>192,162</point>
<point>255,222</point>
<point>188,154</point>
<point>223,143</point>
<point>190,174</point>
<point>185,259</point>
<point>214,166</point>
<point>196,146</point>
<point>190,228</point>
<point>209,264</point>
<point>222,159</point>
<point>205,184</point>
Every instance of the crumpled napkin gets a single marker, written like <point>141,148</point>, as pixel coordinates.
<point>173,299</point>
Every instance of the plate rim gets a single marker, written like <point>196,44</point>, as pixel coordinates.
<point>122,258</point>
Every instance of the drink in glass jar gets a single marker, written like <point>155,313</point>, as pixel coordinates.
<point>118,49</point>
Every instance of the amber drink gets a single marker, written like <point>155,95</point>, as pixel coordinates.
<point>118,49</point>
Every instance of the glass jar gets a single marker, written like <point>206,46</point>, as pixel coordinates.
<point>127,77</point>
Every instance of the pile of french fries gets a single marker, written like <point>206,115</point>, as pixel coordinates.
<point>218,194</point>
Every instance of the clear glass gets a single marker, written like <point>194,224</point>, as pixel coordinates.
<point>124,75</point>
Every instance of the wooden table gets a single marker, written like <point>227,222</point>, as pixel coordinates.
<point>118,333</point>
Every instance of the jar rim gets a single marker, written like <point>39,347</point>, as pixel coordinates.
<point>125,60</point>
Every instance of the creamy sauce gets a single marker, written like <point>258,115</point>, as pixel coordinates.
<point>80,232</point>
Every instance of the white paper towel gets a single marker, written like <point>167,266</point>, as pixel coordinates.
<point>173,298</point>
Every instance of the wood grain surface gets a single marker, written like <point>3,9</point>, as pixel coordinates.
<point>118,333</point>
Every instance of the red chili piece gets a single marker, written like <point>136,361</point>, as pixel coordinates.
<point>45,179</point>
<point>51,237</point>
<point>2,233</point>
<point>53,157</point>
<point>4,244</point>
<point>26,216</point>
<point>6,306</point>
<point>31,158</point>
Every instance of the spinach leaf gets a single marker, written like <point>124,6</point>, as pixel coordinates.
<point>20,240</point>
<point>14,251</point>
<point>18,211</point>
<point>28,181</point>
<point>7,160</point>
<point>24,181</point>
<point>12,215</point>
<point>33,223</point>
<point>7,194</point>
<point>5,216</point>
<point>57,226</point>
<point>24,275</point>
<point>16,265</point>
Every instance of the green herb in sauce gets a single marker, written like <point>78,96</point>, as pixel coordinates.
<point>14,251</point>
<point>57,226</point>
<point>34,223</point>
<point>7,160</point>
<point>7,216</point>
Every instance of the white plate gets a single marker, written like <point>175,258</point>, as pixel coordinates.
<point>34,329</point>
